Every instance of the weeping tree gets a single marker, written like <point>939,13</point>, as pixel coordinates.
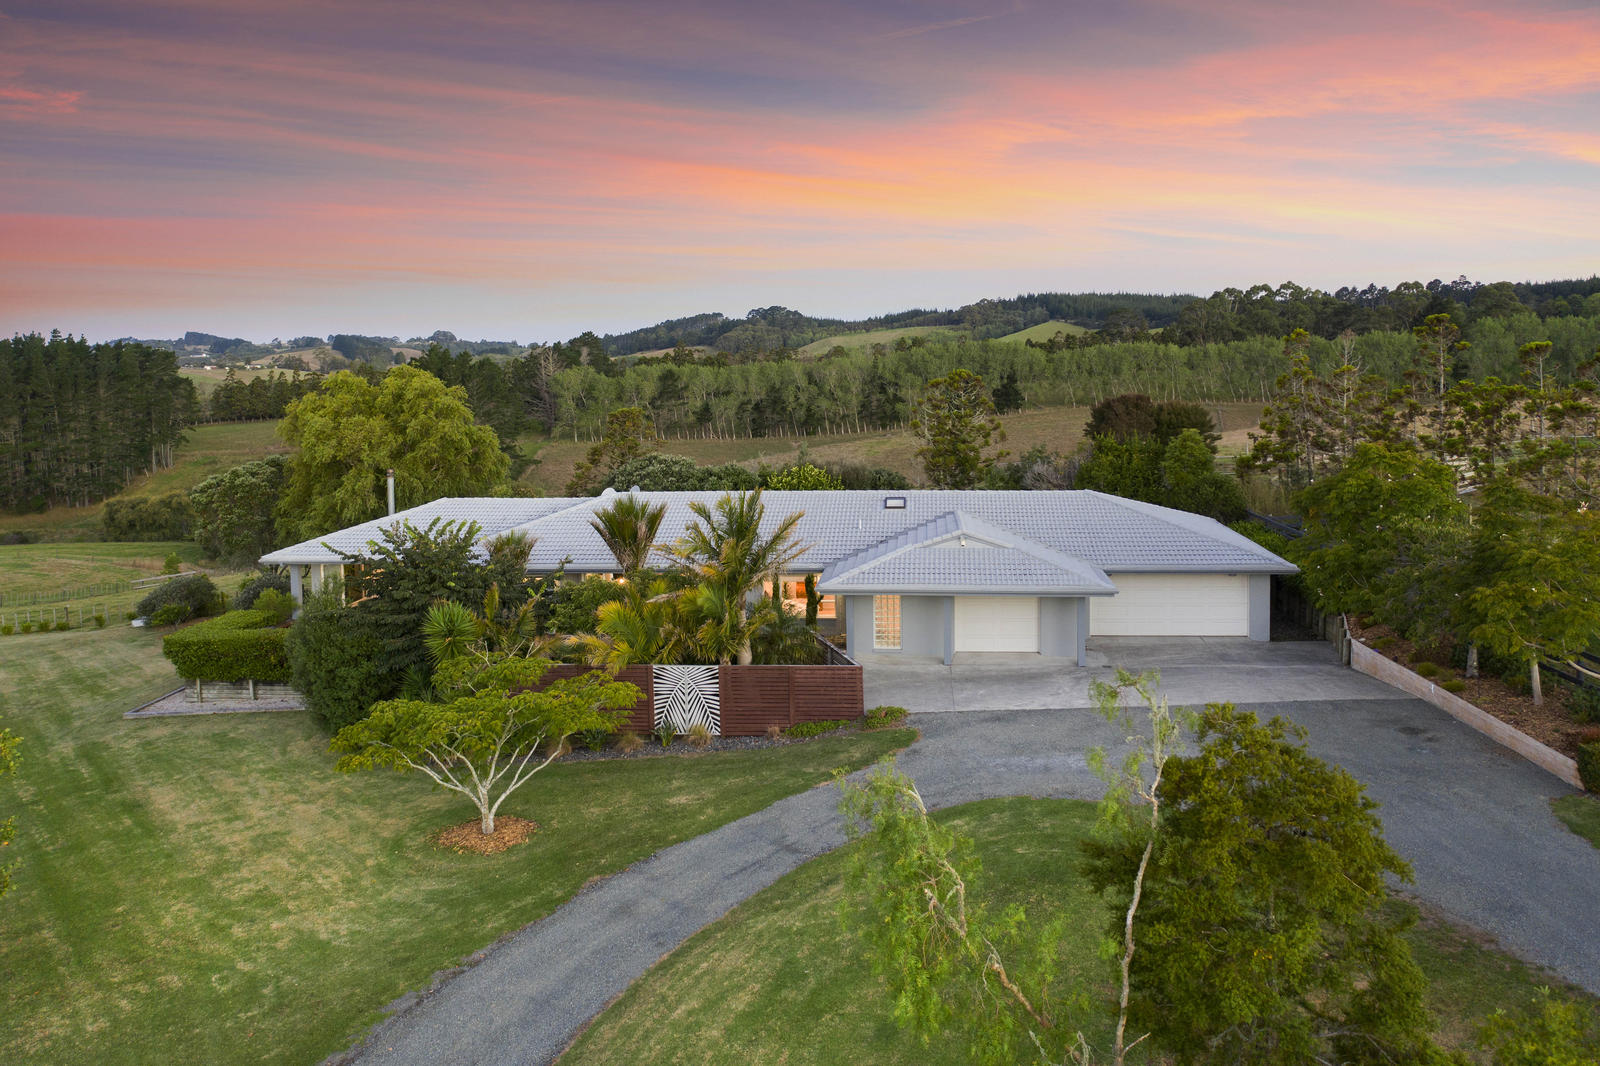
<point>488,730</point>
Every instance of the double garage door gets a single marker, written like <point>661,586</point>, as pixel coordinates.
<point>1173,605</point>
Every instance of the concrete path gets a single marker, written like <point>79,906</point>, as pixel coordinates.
<point>1472,819</point>
<point>1193,671</point>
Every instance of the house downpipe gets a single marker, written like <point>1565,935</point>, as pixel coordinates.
<point>391,492</point>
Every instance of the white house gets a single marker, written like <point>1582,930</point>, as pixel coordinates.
<point>930,572</point>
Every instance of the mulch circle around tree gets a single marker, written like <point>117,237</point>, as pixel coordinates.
<point>509,831</point>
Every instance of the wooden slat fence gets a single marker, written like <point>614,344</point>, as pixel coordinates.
<point>755,697</point>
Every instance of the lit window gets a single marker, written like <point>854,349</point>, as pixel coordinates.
<point>886,622</point>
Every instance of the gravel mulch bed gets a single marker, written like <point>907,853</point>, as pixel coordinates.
<point>1550,724</point>
<point>177,705</point>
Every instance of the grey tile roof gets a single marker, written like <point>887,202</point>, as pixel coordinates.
<point>1107,532</point>
<point>956,552</point>
<point>494,515</point>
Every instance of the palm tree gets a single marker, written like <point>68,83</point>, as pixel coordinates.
<point>629,527</point>
<point>640,628</point>
<point>726,554</point>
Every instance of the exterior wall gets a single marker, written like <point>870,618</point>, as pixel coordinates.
<point>923,628</point>
<point>857,625</point>
<point>1059,632</point>
<point>1260,606</point>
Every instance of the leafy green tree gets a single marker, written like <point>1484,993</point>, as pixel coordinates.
<point>483,738</point>
<point>233,510</point>
<point>630,433</point>
<point>351,433</point>
<point>949,962</point>
<point>800,476</point>
<point>628,526</point>
<point>1130,468</point>
<point>641,626</point>
<point>1438,341</point>
<point>1123,417</point>
<point>955,419</point>
<point>1352,517</point>
<point>8,826</point>
<point>1538,567</point>
<point>1191,481</point>
<point>731,559</point>
<point>407,569</point>
<point>1265,935</point>
<point>659,472</point>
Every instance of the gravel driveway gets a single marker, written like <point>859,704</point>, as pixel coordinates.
<point>1473,820</point>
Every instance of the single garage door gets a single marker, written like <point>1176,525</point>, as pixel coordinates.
<point>1173,605</point>
<point>997,623</point>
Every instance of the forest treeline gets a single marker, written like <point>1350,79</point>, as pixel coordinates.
<point>852,391</point>
<point>1229,314</point>
<point>78,421</point>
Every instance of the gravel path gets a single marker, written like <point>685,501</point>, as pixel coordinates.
<point>1473,819</point>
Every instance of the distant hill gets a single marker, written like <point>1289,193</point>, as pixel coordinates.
<point>770,328</point>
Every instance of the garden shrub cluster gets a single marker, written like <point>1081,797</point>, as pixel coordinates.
<point>336,659</point>
<point>255,586</point>
<point>193,595</point>
<point>237,646</point>
<point>814,729</point>
<point>575,603</point>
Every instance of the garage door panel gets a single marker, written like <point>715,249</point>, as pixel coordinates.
<point>997,623</point>
<point>1173,605</point>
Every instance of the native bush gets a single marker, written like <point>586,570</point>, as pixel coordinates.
<point>166,517</point>
<point>335,659</point>
<point>27,627</point>
<point>258,584</point>
<point>193,594</point>
<point>169,614</point>
<point>575,603</point>
<point>1455,686</point>
<point>279,605</point>
<point>7,629</point>
<point>237,646</point>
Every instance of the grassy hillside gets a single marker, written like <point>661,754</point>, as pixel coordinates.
<point>1044,331</point>
<point>206,381</point>
<point>208,450</point>
<point>1059,428</point>
<point>863,341</point>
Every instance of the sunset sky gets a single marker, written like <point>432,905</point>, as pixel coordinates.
<point>532,169</point>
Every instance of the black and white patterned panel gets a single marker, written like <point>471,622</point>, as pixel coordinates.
<point>686,695</point>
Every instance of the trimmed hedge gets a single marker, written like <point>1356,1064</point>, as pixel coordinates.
<point>1589,765</point>
<point>235,646</point>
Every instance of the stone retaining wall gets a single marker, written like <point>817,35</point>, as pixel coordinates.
<point>1364,660</point>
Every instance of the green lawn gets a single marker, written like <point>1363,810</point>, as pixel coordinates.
<point>779,981</point>
<point>1581,814</point>
<point>208,889</point>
